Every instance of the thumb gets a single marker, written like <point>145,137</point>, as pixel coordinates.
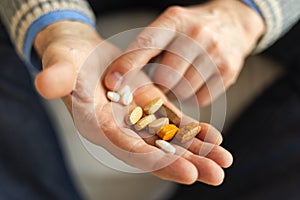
<point>57,80</point>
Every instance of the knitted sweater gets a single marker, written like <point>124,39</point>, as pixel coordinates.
<point>23,19</point>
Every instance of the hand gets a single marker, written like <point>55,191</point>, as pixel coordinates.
<point>102,123</point>
<point>201,48</point>
<point>73,68</point>
<point>63,47</point>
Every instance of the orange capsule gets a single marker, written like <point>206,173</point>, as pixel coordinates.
<point>167,132</point>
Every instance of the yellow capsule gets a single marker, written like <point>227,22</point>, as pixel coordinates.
<point>167,132</point>
<point>134,115</point>
<point>142,123</point>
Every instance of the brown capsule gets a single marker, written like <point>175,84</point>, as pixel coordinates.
<point>188,132</point>
<point>153,106</point>
<point>169,113</point>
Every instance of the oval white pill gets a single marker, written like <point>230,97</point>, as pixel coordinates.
<point>113,96</point>
<point>124,90</point>
<point>154,126</point>
<point>126,98</point>
<point>166,146</point>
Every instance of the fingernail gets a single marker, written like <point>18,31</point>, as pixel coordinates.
<point>114,80</point>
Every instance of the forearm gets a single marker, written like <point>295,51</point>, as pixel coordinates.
<point>24,19</point>
<point>279,16</point>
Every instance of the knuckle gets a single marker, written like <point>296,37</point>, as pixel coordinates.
<point>174,15</point>
<point>175,11</point>
<point>228,71</point>
<point>144,41</point>
<point>198,32</point>
<point>224,68</point>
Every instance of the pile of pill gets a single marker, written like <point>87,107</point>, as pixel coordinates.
<point>123,95</point>
<point>157,119</point>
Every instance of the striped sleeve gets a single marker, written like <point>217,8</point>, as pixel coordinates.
<point>24,19</point>
<point>279,16</point>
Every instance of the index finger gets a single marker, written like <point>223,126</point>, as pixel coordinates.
<point>148,44</point>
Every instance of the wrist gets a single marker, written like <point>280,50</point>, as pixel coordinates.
<point>252,23</point>
<point>63,29</point>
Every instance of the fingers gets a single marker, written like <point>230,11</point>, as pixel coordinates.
<point>214,176</point>
<point>209,171</point>
<point>210,134</point>
<point>201,169</point>
<point>210,91</point>
<point>198,73</point>
<point>211,151</point>
<point>176,60</point>
<point>179,171</point>
<point>148,44</point>
<point>208,159</point>
<point>214,152</point>
<point>186,166</point>
<point>133,150</point>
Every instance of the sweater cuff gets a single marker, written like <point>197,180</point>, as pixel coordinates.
<point>273,19</point>
<point>30,56</point>
<point>28,18</point>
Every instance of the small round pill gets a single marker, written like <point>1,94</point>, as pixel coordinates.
<point>142,123</point>
<point>154,126</point>
<point>113,96</point>
<point>165,146</point>
<point>134,115</point>
<point>167,132</point>
<point>153,106</point>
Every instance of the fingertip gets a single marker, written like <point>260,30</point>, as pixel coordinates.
<point>113,80</point>
<point>56,81</point>
<point>211,173</point>
<point>229,161</point>
<point>188,172</point>
<point>210,134</point>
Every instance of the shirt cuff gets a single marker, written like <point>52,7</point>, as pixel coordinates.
<point>30,56</point>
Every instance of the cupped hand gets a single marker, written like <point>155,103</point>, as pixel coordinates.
<point>63,47</point>
<point>205,45</point>
<point>74,58</point>
<point>102,123</point>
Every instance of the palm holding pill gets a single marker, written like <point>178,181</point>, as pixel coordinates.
<point>205,45</point>
<point>73,73</point>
